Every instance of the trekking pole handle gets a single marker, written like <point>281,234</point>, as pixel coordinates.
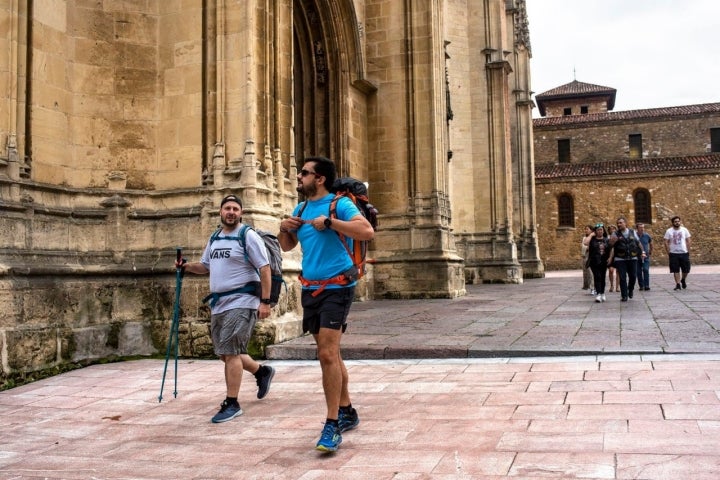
<point>180,261</point>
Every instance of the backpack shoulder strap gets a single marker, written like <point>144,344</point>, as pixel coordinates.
<point>302,208</point>
<point>215,235</point>
<point>241,240</point>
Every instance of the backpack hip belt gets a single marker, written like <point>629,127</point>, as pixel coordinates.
<point>344,278</point>
<point>247,288</point>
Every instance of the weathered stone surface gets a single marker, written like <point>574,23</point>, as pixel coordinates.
<point>134,120</point>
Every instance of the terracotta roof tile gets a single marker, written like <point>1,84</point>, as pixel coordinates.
<point>575,88</point>
<point>710,161</point>
<point>648,113</point>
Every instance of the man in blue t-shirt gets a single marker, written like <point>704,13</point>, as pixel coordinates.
<point>328,279</point>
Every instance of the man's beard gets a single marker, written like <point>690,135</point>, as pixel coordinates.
<point>230,223</point>
<point>307,190</point>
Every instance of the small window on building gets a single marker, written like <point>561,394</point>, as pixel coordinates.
<point>567,111</point>
<point>564,150</point>
<point>643,211</point>
<point>583,109</point>
<point>635,141</point>
<point>715,139</point>
<point>566,210</point>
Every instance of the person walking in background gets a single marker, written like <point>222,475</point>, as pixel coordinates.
<point>328,278</point>
<point>613,278</point>
<point>588,282</point>
<point>677,246</point>
<point>626,251</point>
<point>236,302</point>
<point>598,253</point>
<point>643,270</point>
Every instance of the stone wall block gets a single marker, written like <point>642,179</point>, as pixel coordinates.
<point>31,349</point>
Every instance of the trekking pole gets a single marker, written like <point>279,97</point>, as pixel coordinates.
<point>175,326</point>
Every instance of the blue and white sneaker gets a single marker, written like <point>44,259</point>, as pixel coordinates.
<point>227,412</point>
<point>330,438</point>
<point>348,421</point>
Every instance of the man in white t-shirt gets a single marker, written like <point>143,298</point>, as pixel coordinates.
<point>677,245</point>
<point>237,269</point>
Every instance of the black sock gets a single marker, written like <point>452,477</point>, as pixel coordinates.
<point>261,372</point>
<point>330,420</point>
<point>231,400</point>
<point>347,409</point>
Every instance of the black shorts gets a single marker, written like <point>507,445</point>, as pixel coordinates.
<point>328,310</point>
<point>679,262</point>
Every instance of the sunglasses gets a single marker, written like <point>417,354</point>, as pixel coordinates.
<point>305,173</point>
<point>599,225</point>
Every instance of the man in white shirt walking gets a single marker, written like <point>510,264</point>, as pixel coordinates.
<point>677,245</point>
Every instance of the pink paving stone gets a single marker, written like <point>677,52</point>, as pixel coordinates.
<point>642,385</point>
<point>556,442</point>
<point>472,461</point>
<point>697,384</point>
<point>549,376</point>
<point>709,427</point>
<point>668,467</point>
<point>399,460</point>
<point>648,442</point>
<point>631,367</point>
<point>563,465</point>
<point>615,411</point>
<point>698,412</point>
<point>526,398</point>
<point>589,386</point>
<point>511,368</point>
<point>533,412</point>
<point>578,426</point>
<point>664,427</point>
<point>683,397</point>
<point>584,398</point>
<point>564,366</point>
<point>539,387</point>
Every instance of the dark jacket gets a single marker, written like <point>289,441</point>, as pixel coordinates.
<point>599,251</point>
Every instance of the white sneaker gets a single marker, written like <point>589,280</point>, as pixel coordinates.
<point>603,297</point>
<point>598,299</point>
<point>593,292</point>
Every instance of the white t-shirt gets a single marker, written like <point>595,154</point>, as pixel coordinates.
<point>225,258</point>
<point>677,237</point>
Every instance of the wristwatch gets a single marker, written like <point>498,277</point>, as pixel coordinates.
<point>265,301</point>
<point>328,222</point>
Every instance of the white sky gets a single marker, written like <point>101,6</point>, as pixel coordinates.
<point>656,53</point>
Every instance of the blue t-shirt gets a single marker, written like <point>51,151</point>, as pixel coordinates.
<point>324,255</point>
<point>645,240</point>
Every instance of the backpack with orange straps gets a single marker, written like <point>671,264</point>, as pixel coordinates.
<point>357,192</point>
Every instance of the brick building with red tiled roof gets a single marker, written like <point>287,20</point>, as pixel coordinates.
<point>646,165</point>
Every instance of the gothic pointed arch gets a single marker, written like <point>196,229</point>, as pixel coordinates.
<point>327,62</point>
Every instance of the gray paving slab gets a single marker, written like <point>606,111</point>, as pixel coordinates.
<point>549,316</point>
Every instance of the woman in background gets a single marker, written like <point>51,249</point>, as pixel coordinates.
<point>613,276</point>
<point>598,252</point>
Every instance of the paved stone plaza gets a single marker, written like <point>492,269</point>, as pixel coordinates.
<point>529,381</point>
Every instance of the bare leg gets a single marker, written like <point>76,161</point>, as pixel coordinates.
<point>233,374</point>
<point>334,373</point>
<point>249,363</point>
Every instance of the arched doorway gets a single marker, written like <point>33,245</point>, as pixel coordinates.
<point>313,67</point>
<point>326,64</point>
